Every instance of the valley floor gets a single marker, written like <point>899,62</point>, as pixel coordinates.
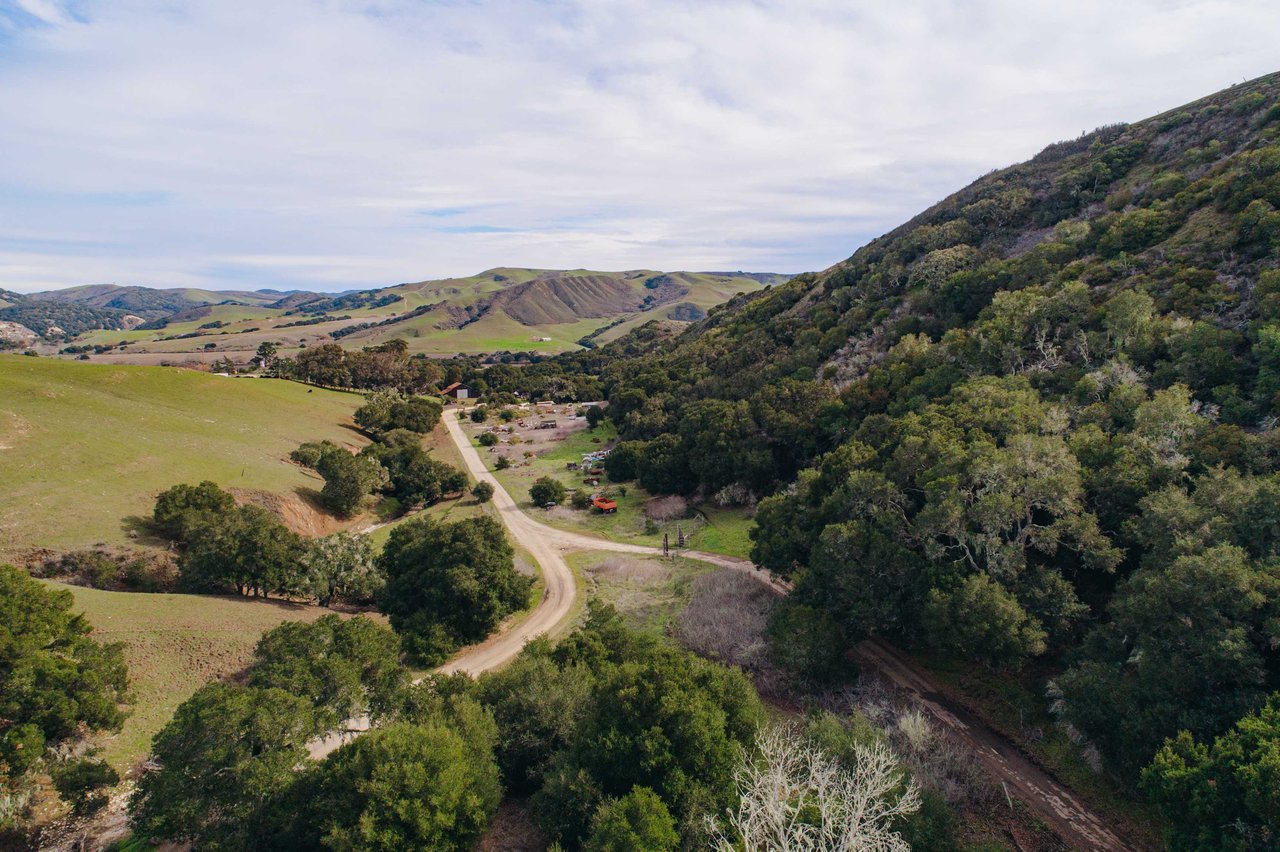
<point>535,453</point>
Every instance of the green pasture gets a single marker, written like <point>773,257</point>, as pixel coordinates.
<point>86,447</point>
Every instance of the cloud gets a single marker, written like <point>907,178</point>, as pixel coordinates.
<point>45,11</point>
<point>351,143</point>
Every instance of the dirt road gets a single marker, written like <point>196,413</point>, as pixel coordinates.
<point>544,544</point>
<point>546,548</point>
<point>1056,806</point>
<point>1069,818</point>
<point>547,545</point>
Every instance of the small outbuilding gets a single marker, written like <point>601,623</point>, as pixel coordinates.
<point>457,390</point>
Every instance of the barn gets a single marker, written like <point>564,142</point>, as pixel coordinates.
<point>457,390</point>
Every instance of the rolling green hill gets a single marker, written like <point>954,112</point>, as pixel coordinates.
<point>548,311</point>
<point>174,644</point>
<point>83,447</point>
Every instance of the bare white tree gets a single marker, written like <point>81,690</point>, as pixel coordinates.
<point>794,798</point>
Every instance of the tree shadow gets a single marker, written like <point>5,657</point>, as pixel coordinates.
<point>311,497</point>
<point>354,428</point>
<point>142,530</point>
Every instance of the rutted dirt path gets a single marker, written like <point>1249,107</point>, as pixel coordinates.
<point>1053,803</point>
<point>1056,806</point>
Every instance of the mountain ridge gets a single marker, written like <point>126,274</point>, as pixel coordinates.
<point>502,308</point>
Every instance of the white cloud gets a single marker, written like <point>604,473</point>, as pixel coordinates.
<point>47,11</point>
<point>304,142</point>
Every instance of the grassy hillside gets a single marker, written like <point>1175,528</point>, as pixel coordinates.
<point>85,446</point>
<point>501,309</point>
<point>174,644</point>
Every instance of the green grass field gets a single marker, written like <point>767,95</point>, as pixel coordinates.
<point>714,529</point>
<point>174,644</point>
<point>84,447</point>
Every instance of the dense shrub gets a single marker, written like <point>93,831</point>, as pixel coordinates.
<point>547,490</point>
<point>182,508</point>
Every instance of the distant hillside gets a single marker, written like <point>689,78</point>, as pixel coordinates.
<point>501,309</point>
<point>153,303</point>
<point>513,308</point>
<point>58,321</point>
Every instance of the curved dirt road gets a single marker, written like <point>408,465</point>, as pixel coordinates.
<point>1068,817</point>
<point>547,545</point>
<point>559,589</point>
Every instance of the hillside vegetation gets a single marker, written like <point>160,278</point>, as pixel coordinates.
<point>84,446</point>
<point>57,321</point>
<point>1034,425</point>
<point>151,302</point>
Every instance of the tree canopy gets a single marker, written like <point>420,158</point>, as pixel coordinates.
<point>1225,795</point>
<point>227,757</point>
<point>55,680</point>
<point>609,711</point>
<point>449,583</point>
<point>432,785</point>
<point>247,549</point>
<point>343,667</point>
<point>182,508</point>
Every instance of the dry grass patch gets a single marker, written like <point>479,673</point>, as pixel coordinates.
<point>669,508</point>
<point>725,620</point>
<point>629,569</point>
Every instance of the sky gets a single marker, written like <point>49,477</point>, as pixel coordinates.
<point>341,144</point>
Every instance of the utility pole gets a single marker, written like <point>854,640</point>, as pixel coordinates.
<point>666,545</point>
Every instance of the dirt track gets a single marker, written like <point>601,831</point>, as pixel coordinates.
<point>548,546</point>
<point>543,543</point>
<point>1057,807</point>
